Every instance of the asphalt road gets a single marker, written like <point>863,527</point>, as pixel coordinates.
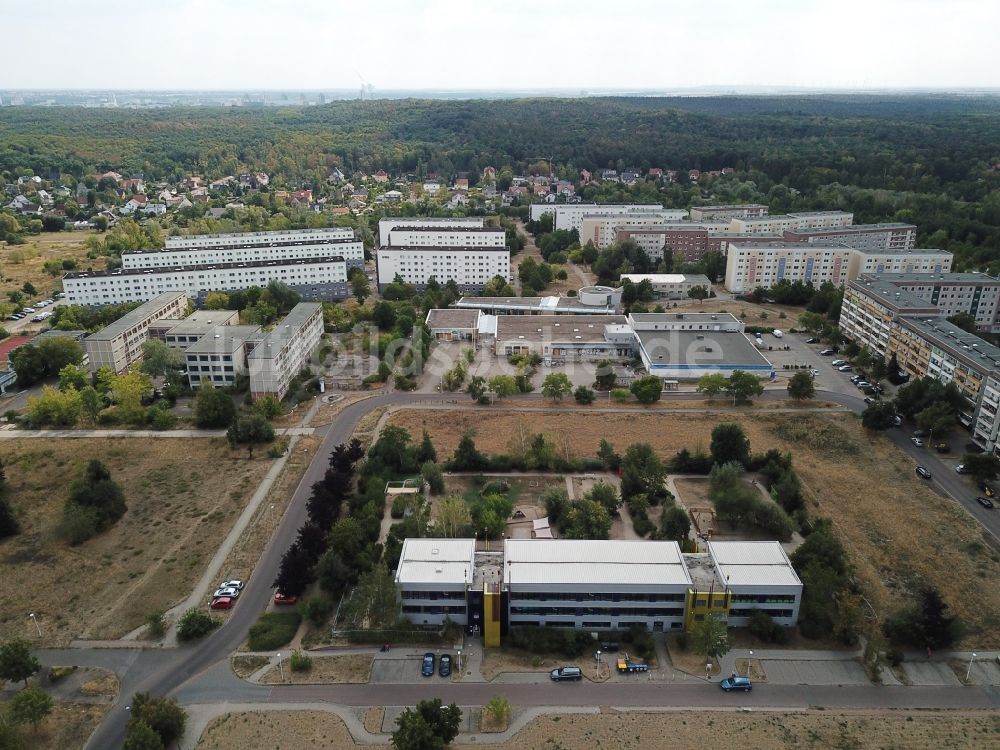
<point>172,675</point>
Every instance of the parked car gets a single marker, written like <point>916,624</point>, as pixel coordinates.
<point>839,362</point>
<point>869,400</point>
<point>232,585</point>
<point>923,473</point>
<point>827,353</point>
<point>897,420</point>
<point>917,442</point>
<point>777,333</point>
<point>961,469</point>
<point>812,340</point>
<point>15,316</point>
<point>222,602</point>
<point>28,311</point>
<point>845,368</point>
<point>563,674</point>
<point>444,665</point>
<point>736,683</point>
<point>427,667</point>
<point>985,502</point>
<point>227,591</point>
<point>281,599</point>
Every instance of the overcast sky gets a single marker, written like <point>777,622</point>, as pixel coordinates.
<point>463,44</point>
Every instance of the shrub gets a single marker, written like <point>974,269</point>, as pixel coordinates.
<point>583,395</point>
<point>641,641</point>
<point>300,662</point>
<point>683,642</point>
<point>763,626</point>
<point>273,630</point>
<point>398,508</point>
<point>549,641</point>
<point>195,624</point>
<point>77,525</point>
<point>278,448</point>
<point>621,395</point>
<point>316,609</point>
<point>894,656</point>
<point>156,625</point>
<point>161,418</point>
<point>59,673</point>
<point>642,525</point>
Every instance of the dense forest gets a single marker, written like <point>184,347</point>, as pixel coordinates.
<point>930,160</point>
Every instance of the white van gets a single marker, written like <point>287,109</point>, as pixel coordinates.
<point>776,333</point>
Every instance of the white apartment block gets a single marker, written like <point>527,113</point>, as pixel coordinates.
<point>250,239</point>
<point>570,215</point>
<point>602,228</point>
<point>868,261</point>
<point>120,344</point>
<point>780,223</point>
<point>670,285</point>
<point>470,267</point>
<point>282,353</point>
<point>407,236</point>
<point>314,278</point>
<point>726,213</point>
<point>386,225</point>
<point>219,357</point>
<point>751,265</point>
<point>350,249</point>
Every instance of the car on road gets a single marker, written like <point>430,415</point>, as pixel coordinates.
<point>282,599</point>
<point>961,469</point>
<point>15,316</point>
<point>232,585</point>
<point>564,674</point>
<point>869,400</point>
<point>917,442</point>
<point>839,362</point>
<point>897,420</point>
<point>736,683</point>
<point>827,353</point>
<point>427,667</point>
<point>985,502</point>
<point>227,591</point>
<point>923,473</point>
<point>444,665</point>
<point>812,340</point>
<point>222,602</point>
<point>845,368</point>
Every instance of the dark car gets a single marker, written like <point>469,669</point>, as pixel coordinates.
<point>985,502</point>
<point>923,473</point>
<point>427,668</point>
<point>563,674</point>
<point>736,683</point>
<point>444,665</point>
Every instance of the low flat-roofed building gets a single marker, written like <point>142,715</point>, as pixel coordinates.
<point>565,337</point>
<point>181,334</point>
<point>670,285</point>
<point>690,354</point>
<point>219,357</point>
<point>595,584</point>
<point>118,345</point>
<point>285,350</point>
<point>454,324</point>
<point>597,300</point>
<point>432,579</point>
<point>758,575</point>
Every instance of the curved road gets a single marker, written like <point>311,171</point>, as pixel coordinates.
<point>164,672</point>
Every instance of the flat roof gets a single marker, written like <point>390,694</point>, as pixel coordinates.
<point>687,317</point>
<point>442,248</point>
<point>890,295</point>
<point>199,320</point>
<point>588,561</point>
<point>205,267</point>
<point>667,278</point>
<point>729,206</point>
<point>799,214</point>
<point>929,279</point>
<point>541,304</point>
<point>753,564</point>
<point>700,348</point>
<point>262,234</point>
<point>887,226</point>
<point>802,247</point>
<point>555,327</point>
<point>136,316</point>
<point>248,244</point>
<point>224,338</point>
<point>453,318</point>
<point>287,327</point>
<point>954,340</point>
<point>436,561</point>
<point>419,228</point>
<point>901,251</point>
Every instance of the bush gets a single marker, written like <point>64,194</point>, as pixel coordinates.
<point>642,525</point>
<point>316,609</point>
<point>550,641</point>
<point>273,630</point>
<point>161,418</point>
<point>300,662</point>
<point>398,508</point>
<point>683,642</point>
<point>156,626</point>
<point>278,448</point>
<point>195,624</point>
<point>583,395</point>
<point>641,641</point>
<point>763,626</point>
<point>77,525</point>
<point>894,656</point>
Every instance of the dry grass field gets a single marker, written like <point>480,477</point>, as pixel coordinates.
<point>21,263</point>
<point>631,731</point>
<point>342,668</point>
<point>183,497</point>
<point>898,532</point>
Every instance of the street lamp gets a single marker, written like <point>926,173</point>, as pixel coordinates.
<point>708,670</point>
<point>460,661</point>
<point>281,668</point>
<point>969,670</point>
<point>35,620</point>
<point>598,662</point>
<point>749,659</point>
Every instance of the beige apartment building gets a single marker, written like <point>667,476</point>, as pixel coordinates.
<point>282,353</point>
<point>120,344</point>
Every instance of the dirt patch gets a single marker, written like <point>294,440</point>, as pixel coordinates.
<point>106,686</point>
<point>373,719</point>
<point>245,665</point>
<point>69,725</point>
<point>688,661</point>
<point>899,533</point>
<point>498,661</point>
<point>345,668</point>
<point>489,724</point>
<point>181,500</point>
<point>634,730</point>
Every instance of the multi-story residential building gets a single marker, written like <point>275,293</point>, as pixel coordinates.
<point>860,236</point>
<point>913,260</point>
<point>181,334</point>
<point>249,239</point>
<point>313,278</point>
<point>219,357</point>
<point>975,294</point>
<point>687,242</point>
<point>282,353</point>
<point>386,225</point>
<point>749,265</point>
<point>871,307</point>
<point>670,285</point>
<point>725,213</point>
<point>120,344</point>
<point>780,223</point>
<point>470,267</point>
<point>254,247</point>
<point>570,215</point>
<point>422,236</point>
<point>602,228</point>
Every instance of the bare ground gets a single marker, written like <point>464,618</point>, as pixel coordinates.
<point>182,497</point>
<point>344,668</point>
<point>899,533</point>
<point>35,252</point>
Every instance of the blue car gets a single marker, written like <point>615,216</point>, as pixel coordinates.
<point>427,670</point>
<point>736,683</point>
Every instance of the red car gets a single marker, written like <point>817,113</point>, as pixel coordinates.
<point>222,602</point>
<point>280,598</point>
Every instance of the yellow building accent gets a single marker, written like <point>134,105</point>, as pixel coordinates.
<point>703,603</point>
<point>492,605</point>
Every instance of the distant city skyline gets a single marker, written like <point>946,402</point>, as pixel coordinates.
<point>575,47</point>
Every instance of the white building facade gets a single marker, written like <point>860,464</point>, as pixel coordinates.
<point>418,236</point>
<point>348,248</point>
<point>282,353</point>
<point>470,267</point>
<point>386,225</point>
